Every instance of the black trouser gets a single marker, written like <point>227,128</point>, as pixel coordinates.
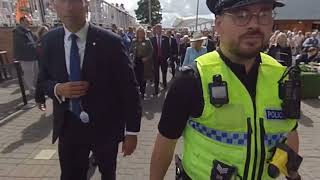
<point>74,149</point>
<point>173,62</point>
<point>40,95</point>
<point>163,64</point>
<point>139,71</point>
<point>182,59</point>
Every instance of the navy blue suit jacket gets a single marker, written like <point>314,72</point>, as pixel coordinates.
<point>165,47</point>
<point>112,101</point>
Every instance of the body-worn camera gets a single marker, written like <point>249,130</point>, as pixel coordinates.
<point>218,91</point>
<point>290,92</point>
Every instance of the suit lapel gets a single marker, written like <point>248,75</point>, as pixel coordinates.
<point>161,41</point>
<point>61,56</point>
<point>88,65</point>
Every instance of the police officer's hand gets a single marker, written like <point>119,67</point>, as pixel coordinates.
<point>73,89</point>
<point>129,144</point>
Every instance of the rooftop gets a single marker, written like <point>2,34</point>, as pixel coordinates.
<point>299,10</point>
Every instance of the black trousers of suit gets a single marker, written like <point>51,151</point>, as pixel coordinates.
<point>75,144</point>
<point>39,94</point>
<point>163,64</point>
<point>139,72</point>
<point>173,61</point>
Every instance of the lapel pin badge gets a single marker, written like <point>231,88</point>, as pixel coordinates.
<point>94,43</point>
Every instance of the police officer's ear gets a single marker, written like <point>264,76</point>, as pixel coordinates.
<point>218,22</point>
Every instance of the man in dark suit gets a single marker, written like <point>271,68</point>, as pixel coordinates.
<point>174,52</point>
<point>96,105</point>
<point>161,53</point>
<point>209,43</point>
<point>185,43</point>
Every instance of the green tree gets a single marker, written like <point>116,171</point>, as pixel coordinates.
<point>142,13</point>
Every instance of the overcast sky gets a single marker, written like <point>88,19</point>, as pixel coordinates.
<point>170,8</point>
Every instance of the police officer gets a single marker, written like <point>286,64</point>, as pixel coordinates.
<point>227,105</point>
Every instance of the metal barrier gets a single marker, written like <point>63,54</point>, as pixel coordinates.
<point>5,72</point>
<point>19,74</point>
<point>17,65</point>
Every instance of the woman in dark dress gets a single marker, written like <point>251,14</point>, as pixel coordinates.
<point>281,51</point>
<point>141,52</point>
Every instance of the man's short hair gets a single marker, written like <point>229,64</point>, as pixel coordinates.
<point>22,19</point>
<point>157,25</point>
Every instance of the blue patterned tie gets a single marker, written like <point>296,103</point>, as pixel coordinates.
<point>75,72</point>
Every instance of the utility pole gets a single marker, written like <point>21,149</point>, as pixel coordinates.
<point>40,10</point>
<point>197,15</point>
<point>150,19</point>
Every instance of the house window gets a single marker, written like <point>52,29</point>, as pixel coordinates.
<point>5,5</point>
<point>316,26</point>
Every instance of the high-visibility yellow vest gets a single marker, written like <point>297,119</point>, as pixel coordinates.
<point>242,132</point>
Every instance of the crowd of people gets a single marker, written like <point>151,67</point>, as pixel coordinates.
<point>184,47</point>
<point>152,49</point>
<point>286,46</point>
<point>178,49</point>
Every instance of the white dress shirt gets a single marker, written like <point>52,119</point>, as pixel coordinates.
<point>81,42</point>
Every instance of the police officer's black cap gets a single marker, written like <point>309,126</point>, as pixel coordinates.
<point>217,6</point>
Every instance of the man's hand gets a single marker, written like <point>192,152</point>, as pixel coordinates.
<point>129,144</point>
<point>74,89</point>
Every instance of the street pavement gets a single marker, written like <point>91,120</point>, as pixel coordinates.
<point>10,98</point>
<point>26,152</point>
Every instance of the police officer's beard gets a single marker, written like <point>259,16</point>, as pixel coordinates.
<point>255,49</point>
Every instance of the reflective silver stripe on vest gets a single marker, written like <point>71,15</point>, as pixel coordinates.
<point>221,136</point>
<point>272,139</point>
